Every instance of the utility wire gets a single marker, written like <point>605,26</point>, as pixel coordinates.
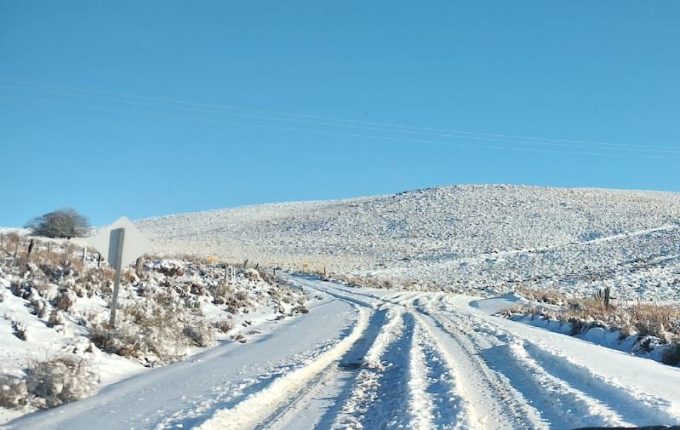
<point>315,120</point>
<point>339,134</point>
<point>357,123</point>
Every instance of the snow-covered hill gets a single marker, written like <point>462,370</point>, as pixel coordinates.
<point>471,237</point>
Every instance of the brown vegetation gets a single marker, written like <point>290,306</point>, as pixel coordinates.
<point>642,319</point>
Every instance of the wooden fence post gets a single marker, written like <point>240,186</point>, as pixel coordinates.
<point>607,292</point>
<point>139,267</point>
<point>31,244</point>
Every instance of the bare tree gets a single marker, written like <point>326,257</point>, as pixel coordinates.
<point>64,222</point>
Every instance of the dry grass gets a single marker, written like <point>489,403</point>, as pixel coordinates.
<point>154,331</point>
<point>377,283</point>
<point>643,319</point>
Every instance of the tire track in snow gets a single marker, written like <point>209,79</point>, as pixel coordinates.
<point>256,408</point>
<point>279,418</point>
<point>316,406</point>
<point>558,384</point>
<point>494,402</point>
<point>230,394</point>
<point>639,408</point>
<point>631,405</point>
<point>373,402</point>
<point>437,401</point>
<point>504,379</point>
<point>421,404</point>
<point>498,405</point>
<point>558,403</point>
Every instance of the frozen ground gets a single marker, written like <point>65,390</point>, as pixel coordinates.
<point>471,238</point>
<point>387,359</point>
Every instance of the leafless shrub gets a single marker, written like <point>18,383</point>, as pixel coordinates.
<point>63,268</point>
<point>64,300</point>
<point>97,279</point>
<point>119,342</point>
<point>267,277</point>
<point>224,325</point>
<point>19,330</point>
<point>56,318</point>
<point>200,332</point>
<point>13,392</point>
<point>170,268</point>
<point>221,292</point>
<point>128,276</point>
<point>21,288</point>
<point>9,243</point>
<point>59,380</point>
<point>252,274</point>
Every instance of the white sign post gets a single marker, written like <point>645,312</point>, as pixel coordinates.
<point>120,243</point>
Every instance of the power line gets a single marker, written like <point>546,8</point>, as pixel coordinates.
<point>355,123</point>
<point>331,133</point>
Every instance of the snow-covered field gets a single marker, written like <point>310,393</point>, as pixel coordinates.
<point>377,359</point>
<point>471,238</point>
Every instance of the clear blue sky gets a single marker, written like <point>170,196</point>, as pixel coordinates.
<point>90,92</point>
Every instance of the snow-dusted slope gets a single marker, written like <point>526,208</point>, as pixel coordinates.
<point>478,237</point>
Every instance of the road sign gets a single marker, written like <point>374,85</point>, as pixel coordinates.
<point>121,244</point>
<point>104,241</point>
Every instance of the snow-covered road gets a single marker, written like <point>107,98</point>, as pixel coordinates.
<point>377,359</point>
